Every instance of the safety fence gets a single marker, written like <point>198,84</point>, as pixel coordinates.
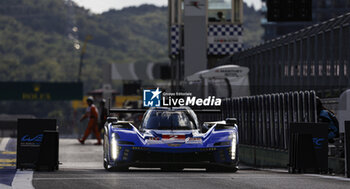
<point>263,120</point>
<point>208,117</point>
<point>314,58</point>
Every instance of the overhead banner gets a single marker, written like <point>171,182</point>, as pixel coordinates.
<point>41,91</point>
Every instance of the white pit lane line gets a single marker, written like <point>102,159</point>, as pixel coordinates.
<point>329,177</point>
<point>3,143</point>
<point>23,180</point>
<point>3,186</point>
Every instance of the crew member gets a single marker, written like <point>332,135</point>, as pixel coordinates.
<point>103,115</point>
<point>221,16</point>
<point>327,116</point>
<point>92,115</point>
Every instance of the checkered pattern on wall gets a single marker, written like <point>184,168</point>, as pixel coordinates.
<point>214,48</point>
<point>175,39</point>
<point>225,30</point>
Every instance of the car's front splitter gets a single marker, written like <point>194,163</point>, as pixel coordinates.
<point>191,158</point>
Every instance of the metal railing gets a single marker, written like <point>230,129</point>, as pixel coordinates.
<point>263,120</point>
<point>315,58</point>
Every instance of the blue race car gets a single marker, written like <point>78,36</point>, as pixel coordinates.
<point>171,139</point>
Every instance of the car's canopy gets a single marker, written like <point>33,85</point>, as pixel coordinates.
<point>170,119</point>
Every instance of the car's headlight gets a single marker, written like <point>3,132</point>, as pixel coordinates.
<point>114,147</point>
<point>233,146</point>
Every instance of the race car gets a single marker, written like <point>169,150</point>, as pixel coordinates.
<point>170,139</point>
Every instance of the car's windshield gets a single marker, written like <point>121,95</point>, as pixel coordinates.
<point>168,120</point>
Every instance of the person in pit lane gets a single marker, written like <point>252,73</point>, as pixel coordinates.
<point>327,116</point>
<point>92,115</point>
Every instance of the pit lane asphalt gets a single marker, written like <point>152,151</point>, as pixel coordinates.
<point>82,168</point>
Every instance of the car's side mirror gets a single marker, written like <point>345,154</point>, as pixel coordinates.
<point>231,121</point>
<point>207,125</point>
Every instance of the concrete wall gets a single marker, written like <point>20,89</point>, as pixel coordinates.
<point>263,157</point>
<point>271,158</point>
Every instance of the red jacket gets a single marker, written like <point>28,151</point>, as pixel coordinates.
<point>92,114</point>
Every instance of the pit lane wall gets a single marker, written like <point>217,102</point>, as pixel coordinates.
<point>262,157</point>
<point>264,121</point>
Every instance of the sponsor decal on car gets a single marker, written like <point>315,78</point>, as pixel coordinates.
<point>154,140</point>
<point>173,138</point>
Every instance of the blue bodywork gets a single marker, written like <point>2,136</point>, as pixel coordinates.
<point>162,148</point>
